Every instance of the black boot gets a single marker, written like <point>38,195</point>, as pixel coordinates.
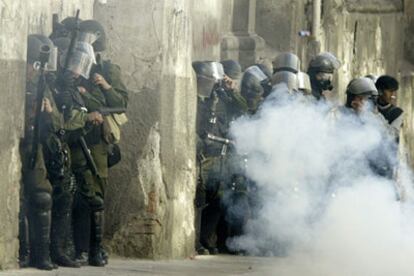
<point>61,226</point>
<point>96,257</point>
<point>200,249</point>
<point>41,242</point>
<point>81,228</point>
<point>82,258</point>
<point>24,249</point>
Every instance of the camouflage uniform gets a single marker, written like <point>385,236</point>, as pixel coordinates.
<point>91,188</point>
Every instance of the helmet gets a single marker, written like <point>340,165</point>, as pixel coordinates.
<point>82,58</point>
<point>70,23</point>
<point>64,28</point>
<point>362,86</point>
<point>257,73</point>
<point>287,77</point>
<point>232,68</point>
<point>208,74</point>
<point>95,28</point>
<point>324,62</point>
<point>40,49</point>
<point>266,69</point>
<point>251,86</point>
<point>286,62</point>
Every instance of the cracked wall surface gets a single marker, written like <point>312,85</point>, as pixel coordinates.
<point>150,196</point>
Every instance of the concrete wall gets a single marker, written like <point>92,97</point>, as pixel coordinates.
<point>12,62</point>
<point>18,19</point>
<point>274,23</point>
<point>406,98</point>
<point>367,40</point>
<point>150,197</point>
<point>208,28</point>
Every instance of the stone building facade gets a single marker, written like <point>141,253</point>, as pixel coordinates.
<point>150,197</point>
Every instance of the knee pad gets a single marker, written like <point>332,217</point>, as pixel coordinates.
<point>62,202</point>
<point>80,202</point>
<point>41,201</point>
<point>96,203</point>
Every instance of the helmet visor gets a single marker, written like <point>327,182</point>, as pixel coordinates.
<point>304,82</point>
<point>82,59</point>
<point>257,73</point>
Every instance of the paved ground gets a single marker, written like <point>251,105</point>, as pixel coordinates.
<point>204,265</point>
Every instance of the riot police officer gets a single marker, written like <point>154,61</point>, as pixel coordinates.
<point>42,121</point>
<point>360,92</point>
<point>102,88</point>
<point>321,70</point>
<point>219,102</point>
<point>255,85</point>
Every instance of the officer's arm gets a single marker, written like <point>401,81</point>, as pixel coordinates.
<point>94,100</point>
<point>240,101</point>
<point>55,118</point>
<point>77,120</point>
<point>117,95</point>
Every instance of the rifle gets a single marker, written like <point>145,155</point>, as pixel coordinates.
<point>84,146</point>
<point>73,39</point>
<point>41,86</point>
<point>111,110</point>
<point>226,142</point>
<point>218,139</point>
<point>69,54</point>
<point>89,159</point>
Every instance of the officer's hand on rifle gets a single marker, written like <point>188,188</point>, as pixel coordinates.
<point>46,106</point>
<point>229,84</point>
<point>95,118</point>
<point>100,80</point>
<point>82,90</point>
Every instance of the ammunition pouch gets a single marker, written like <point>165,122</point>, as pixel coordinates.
<point>57,159</point>
<point>114,155</point>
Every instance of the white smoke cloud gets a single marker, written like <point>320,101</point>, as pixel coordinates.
<point>321,205</point>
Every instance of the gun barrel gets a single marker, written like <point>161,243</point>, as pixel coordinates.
<point>44,55</point>
<point>219,139</point>
<point>112,110</point>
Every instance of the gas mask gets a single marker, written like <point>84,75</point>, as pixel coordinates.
<point>324,81</point>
